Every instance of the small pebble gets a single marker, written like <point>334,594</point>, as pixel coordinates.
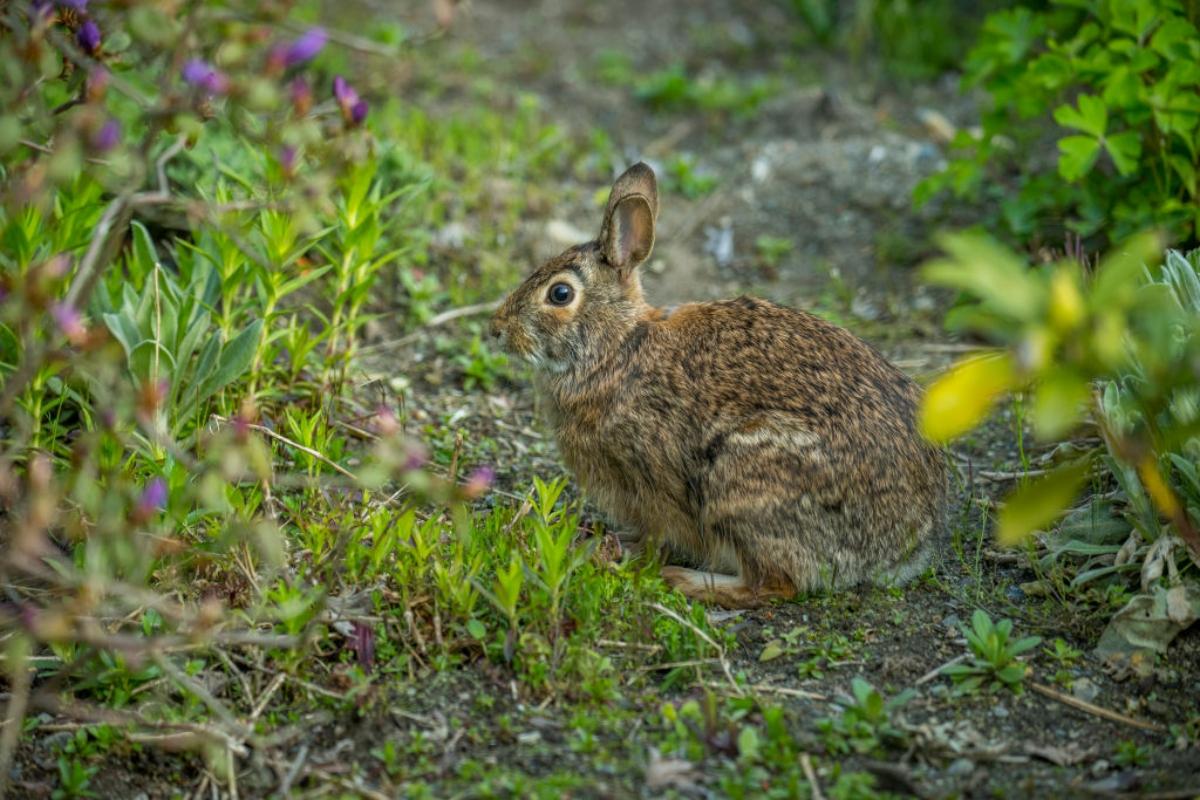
<point>1085,689</point>
<point>961,767</point>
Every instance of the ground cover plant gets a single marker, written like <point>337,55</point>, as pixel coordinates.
<point>278,518</point>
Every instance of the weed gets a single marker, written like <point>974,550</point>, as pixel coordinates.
<point>866,722</point>
<point>1129,753</point>
<point>771,250</point>
<point>993,663</point>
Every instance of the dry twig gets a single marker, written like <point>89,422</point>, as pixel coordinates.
<point>1083,705</point>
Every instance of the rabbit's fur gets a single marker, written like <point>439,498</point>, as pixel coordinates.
<point>768,449</point>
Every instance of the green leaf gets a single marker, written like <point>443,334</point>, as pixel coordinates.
<point>1125,150</point>
<point>993,273</point>
<point>1120,273</point>
<point>1091,116</point>
<point>1037,504</point>
<point>772,651</point>
<point>1076,156</point>
<point>747,742</point>
<point>143,248</point>
<point>1058,404</point>
<point>236,356</point>
<point>1186,171</point>
<point>477,629</point>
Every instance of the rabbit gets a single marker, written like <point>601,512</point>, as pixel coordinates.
<point>766,451</point>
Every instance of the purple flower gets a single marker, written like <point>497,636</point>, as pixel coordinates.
<point>88,37</point>
<point>305,48</point>
<point>154,498</point>
<point>354,109</point>
<point>479,481</point>
<point>108,137</point>
<point>69,321</point>
<point>76,5</point>
<point>200,73</point>
<point>287,158</point>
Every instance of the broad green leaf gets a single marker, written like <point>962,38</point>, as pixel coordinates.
<point>1058,404</point>
<point>1038,503</point>
<point>772,651</point>
<point>1186,171</point>
<point>993,273</point>
<point>747,743</point>
<point>1120,273</point>
<point>1091,117</point>
<point>236,356</point>
<point>1076,156</point>
<point>1125,149</point>
<point>961,398</point>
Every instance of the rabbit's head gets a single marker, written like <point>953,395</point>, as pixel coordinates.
<point>582,303</point>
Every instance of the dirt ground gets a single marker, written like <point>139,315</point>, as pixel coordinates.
<point>828,162</point>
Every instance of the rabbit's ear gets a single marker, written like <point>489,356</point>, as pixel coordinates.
<point>627,235</point>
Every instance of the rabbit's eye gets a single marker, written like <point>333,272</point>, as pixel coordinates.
<point>561,294</point>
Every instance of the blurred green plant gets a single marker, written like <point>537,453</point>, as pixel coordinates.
<point>1118,78</point>
<point>914,39</point>
<point>1112,349</point>
<point>675,88</point>
<point>867,721</point>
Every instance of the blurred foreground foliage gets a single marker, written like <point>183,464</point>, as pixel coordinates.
<point>1109,350</point>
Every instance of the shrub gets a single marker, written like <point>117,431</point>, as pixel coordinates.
<point>1118,79</point>
<point>1113,349</point>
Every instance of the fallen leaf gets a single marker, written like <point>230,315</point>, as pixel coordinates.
<point>1061,756</point>
<point>1151,621</point>
<point>772,651</point>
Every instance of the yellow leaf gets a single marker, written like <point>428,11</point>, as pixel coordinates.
<point>961,398</point>
<point>1040,502</point>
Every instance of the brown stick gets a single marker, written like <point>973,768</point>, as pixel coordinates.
<point>1095,710</point>
<point>811,776</point>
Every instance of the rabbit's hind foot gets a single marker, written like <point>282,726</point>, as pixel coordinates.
<point>730,591</point>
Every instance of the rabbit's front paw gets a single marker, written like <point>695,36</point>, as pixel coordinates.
<point>730,591</point>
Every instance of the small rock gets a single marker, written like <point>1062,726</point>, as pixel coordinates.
<point>864,308</point>
<point>529,737</point>
<point>760,169</point>
<point>1015,594</point>
<point>1000,711</point>
<point>1085,689</point>
<point>952,622</point>
<point>719,242</point>
<point>960,768</point>
<point>451,236</point>
<point>563,234</point>
<point>878,154</point>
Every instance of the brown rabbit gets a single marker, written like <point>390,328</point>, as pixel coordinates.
<point>768,449</point>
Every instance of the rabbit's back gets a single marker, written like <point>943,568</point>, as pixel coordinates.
<point>715,412</point>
